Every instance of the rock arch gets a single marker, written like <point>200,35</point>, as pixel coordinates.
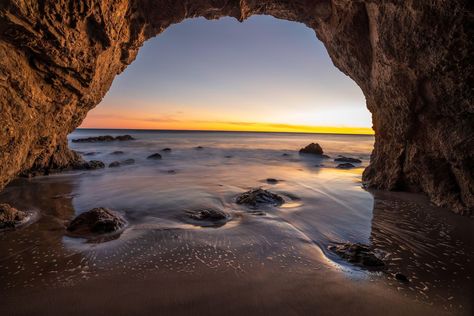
<point>58,59</point>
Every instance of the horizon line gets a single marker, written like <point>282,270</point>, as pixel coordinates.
<point>229,131</point>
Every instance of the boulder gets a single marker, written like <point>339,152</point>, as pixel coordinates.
<point>10,217</point>
<point>124,138</point>
<point>257,197</point>
<point>105,138</point>
<point>207,214</point>
<point>89,165</point>
<point>114,164</point>
<point>345,166</point>
<point>117,152</point>
<point>166,149</point>
<point>312,148</point>
<point>95,222</point>
<point>357,254</point>
<point>347,159</point>
<point>155,156</point>
<point>272,181</point>
<point>128,162</point>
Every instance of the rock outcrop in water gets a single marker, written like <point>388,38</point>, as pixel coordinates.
<point>259,197</point>
<point>10,217</point>
<point>106,138</point>
<point>96,221</point>
<point>155,156</point>
<point>347,159</point>
<point>412,60</point>
<point>357,254</point>
<point>312,148</point>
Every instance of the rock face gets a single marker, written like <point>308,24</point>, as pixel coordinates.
<point>10,217</point>
<point>411,59</point>
<point>96,221</point>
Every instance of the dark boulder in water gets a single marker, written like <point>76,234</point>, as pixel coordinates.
<point>257,197</point>
<point>207,214</point>
<point>124,138</point>
<point>10,217</point>
<point>166,149</point>
<point>117,152</point>
<point>312,148</point>
<point>199,147</point>
<point>114,164</point>
<point>208,217</point>
<point>96,221</point>
<point>92,153</point>
<point>128,162</point>
<point>89,165</point>
<point>357,254</point>
<point>401,277</point>
<point>155,156</point>
<point>347,159</point>
<point>106,138</point>
<point>272,181</point>
<point>345,166</point>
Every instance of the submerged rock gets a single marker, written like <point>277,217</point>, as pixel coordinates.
<point>199,147</point>
<point>257,197</point>
<point>272,181</point>
<point>207,214</point>
<point>90,165</point>
<point>166,149</point>
<point>285,155</point>
<point>401,277</point>
<point>357,254</point>
<point>128,162</point>
<point>10,217</point>
<point>124,137</point>
<point>117,152</point>
<point>92,153</point>
<point>114,164</point>
<point>106,138</point>
<point>347,159</point>
<point>154,156</point>
<point>312,148</point>
<point>96,221</point>
<point>345,166</point>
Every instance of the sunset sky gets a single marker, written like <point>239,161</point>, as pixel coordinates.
<point>261,75</point>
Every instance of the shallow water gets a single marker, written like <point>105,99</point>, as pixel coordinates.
<point>432,247</point>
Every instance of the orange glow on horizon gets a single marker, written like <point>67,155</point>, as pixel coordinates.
<point>127,123</point>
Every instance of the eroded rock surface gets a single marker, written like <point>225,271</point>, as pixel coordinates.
<point>411,59</point>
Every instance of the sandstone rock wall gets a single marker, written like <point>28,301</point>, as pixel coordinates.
<point>411,59</point>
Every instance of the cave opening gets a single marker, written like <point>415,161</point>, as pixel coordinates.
<point>264,74</point>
